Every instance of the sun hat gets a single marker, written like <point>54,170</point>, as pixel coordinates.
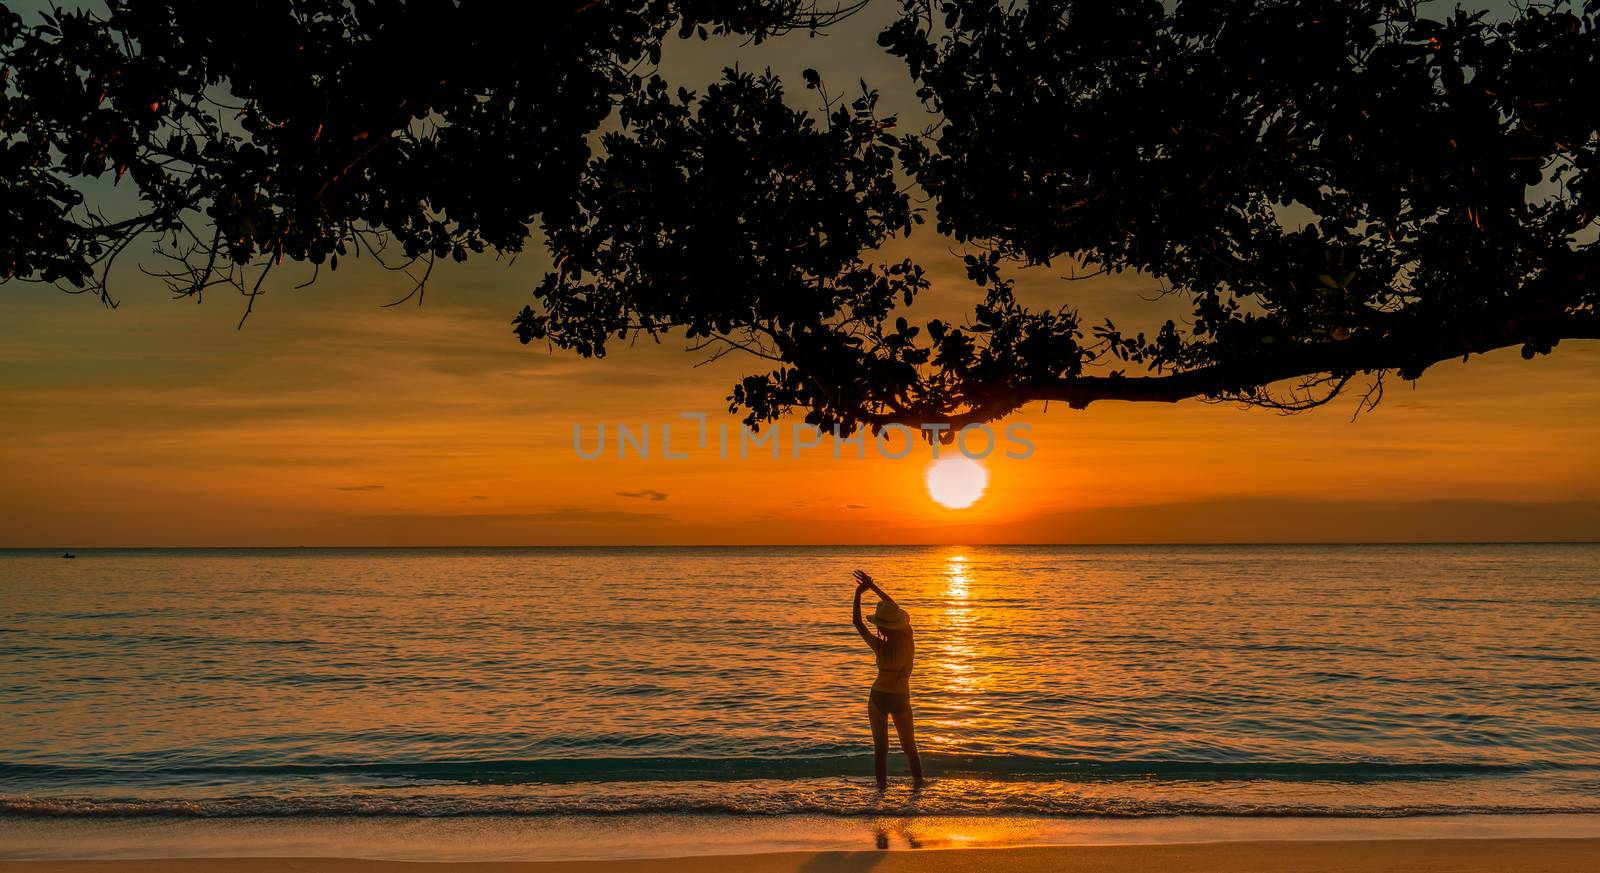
<point>890,617</point>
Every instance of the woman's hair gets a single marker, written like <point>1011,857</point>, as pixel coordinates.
<point>896,645</point>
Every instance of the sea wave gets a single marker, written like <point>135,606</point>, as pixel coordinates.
<point>960,784</point>
<point>671,769</point>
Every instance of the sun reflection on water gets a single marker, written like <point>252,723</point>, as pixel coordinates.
<point>955,575</point>
<point>955,667</point>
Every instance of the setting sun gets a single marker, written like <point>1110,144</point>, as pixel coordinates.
<point>956,483</point>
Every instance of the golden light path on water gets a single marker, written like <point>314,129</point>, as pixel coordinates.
<point>955,663</point>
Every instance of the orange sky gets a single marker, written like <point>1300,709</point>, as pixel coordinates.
<point>328,420</point>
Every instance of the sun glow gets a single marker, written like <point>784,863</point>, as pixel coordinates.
<point>956,483</point>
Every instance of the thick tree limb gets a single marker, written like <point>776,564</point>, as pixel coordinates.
<point>1407,351</point>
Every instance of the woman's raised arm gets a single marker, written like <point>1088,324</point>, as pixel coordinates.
<point>855,612</point>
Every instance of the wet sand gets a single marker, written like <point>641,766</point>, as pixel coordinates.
<point>1574,855</point>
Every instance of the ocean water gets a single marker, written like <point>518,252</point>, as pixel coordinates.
<point>1341,681</point>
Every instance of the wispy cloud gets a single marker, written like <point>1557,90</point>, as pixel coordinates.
<point>360,488</point>
<point>643,494</point>
<point>561,516</point>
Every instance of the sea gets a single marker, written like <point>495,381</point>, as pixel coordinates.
<point>1073,683</point>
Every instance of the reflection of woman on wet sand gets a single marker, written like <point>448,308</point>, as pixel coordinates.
<point>891,691</point>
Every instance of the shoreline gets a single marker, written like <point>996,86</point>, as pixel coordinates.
<point>1493,855</point>
<point>38,843</point>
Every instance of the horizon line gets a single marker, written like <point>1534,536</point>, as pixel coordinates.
<point>1552,542</point>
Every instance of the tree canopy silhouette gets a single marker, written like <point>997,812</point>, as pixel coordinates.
<point>1335,189</point>
<point>306,129</point>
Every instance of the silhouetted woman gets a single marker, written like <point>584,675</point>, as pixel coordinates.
<point>891,691</point>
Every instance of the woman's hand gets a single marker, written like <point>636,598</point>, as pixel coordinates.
<point>864,583</point>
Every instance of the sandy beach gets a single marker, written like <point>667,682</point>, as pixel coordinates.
<point>1412,856</point>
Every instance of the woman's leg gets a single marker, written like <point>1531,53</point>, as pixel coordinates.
<point>880,742</point>
<point>906,727</point>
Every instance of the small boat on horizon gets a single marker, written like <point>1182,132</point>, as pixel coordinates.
<point>68,555</point>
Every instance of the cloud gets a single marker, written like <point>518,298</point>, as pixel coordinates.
<point>360,488</point>
<point>480,497</point>
<point>643,494</point>
<point>560,516</point>
<point>854,506</point>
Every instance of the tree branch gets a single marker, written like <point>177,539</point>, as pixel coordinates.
<point>1407,351</point>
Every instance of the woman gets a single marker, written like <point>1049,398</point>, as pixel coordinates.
<point>891,691</point>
